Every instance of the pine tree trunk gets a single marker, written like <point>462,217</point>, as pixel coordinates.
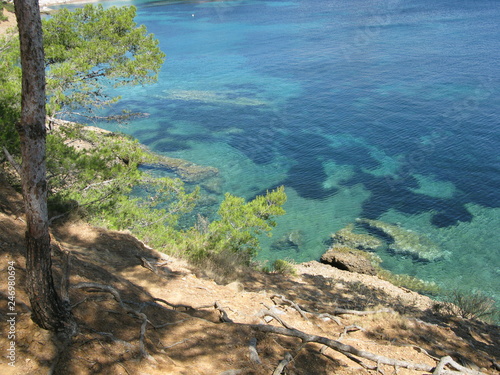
<point>48,310</point>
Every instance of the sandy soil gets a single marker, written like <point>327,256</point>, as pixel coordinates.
<point>185,335</point>
<point>9,24</point>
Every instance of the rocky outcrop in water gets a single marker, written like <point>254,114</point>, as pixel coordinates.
<point>404,241</point>
<point>348,259</point>
<point>347,237</point>
<point>291,240</point>
<point>187,171</point>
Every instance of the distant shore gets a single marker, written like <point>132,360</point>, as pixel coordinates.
<point>45,7</point>
<point>46,4</point>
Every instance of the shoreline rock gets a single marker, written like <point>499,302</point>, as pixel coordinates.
<point>348,259</point>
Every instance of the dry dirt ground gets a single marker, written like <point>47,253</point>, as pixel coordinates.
<point>9,24</point>
<point>184,333</point>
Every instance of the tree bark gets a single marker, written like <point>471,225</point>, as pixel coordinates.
<point>48,310</point>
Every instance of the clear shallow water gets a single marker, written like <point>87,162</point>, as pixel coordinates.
<point>385,110</point>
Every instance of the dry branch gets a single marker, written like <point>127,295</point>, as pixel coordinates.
<point>12,162</point>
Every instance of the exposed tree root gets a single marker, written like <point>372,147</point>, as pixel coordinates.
<point>283,363</point>
<point>340,311</point>
<point>348,350</point>
<point>340,347</point>
<point>448,361</point>
<point>263,313</point>
<point>224,318</point>
<point>252,347</point>
<point>117,297</point>
<point>291,303</point>
<point>336,311</point>
<point>351,328</point>
<point>176,307</point>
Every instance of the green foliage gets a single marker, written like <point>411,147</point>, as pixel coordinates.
<point>239,225</point>
<point>86,51</point>
<point>90,49</point>
<point>284,267</point>
<point>106,186</point>
<point>10,93</point>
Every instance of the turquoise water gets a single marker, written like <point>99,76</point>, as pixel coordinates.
<point>385,110</point>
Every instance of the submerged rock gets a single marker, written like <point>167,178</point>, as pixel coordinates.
<point>347,237</point>
<point>187,171</point>
<point>404,241</point>
<point>291,240</point>
<point>214,97</point>
<point>348,259</point>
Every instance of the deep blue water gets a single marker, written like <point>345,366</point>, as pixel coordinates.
<point>385,110</point>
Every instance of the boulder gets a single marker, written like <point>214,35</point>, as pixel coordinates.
<point>345,258</point>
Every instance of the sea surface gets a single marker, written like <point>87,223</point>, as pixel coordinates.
<point>387,110</point>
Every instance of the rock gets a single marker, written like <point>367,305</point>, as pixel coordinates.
<point>348,259</point>
<point>213,184</point>
<point>291,240</point>
<point>347,237</point>
<point>296,237</point>
<point>404,241</point>
<point>187,171</point>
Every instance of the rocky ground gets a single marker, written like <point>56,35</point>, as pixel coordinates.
<point>186,333</point>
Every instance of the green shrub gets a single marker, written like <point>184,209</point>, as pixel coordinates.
<point>284,267</point>
<point>472,305</point>
<point>238,226</point>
